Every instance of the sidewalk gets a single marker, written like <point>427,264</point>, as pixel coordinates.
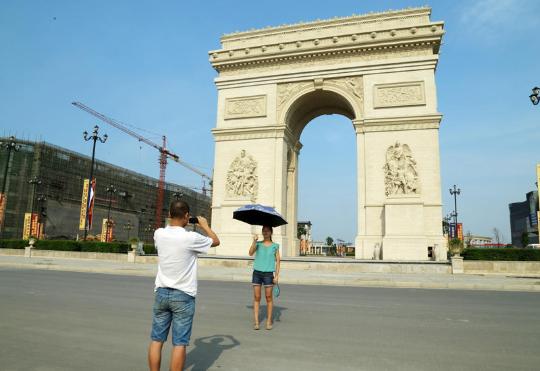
<point>299,277</point>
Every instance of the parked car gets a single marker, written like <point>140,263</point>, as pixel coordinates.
<point>533,246</point>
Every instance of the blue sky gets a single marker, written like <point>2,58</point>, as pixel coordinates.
<point>145,63</point>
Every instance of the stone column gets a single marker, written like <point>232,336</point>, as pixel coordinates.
<point>292,203</point>
<point>361,249</point>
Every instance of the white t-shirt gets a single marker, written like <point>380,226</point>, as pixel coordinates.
<point>177,250</point>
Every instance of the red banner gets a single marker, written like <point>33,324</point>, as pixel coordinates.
<point>107,231</point>
<point>460,231</point>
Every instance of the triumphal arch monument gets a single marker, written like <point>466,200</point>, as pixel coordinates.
<point>376,69</point>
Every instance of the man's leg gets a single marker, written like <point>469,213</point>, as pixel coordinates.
<point>154,355</point>
<point>161,322</point>
<point>178,357</point>
<point>183,308</point>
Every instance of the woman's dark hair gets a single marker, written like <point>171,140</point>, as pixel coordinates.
<point>271,230</point>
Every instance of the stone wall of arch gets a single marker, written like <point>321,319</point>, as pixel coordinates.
<point>377,70</point>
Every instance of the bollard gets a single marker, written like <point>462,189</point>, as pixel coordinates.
<point>133,253</point>
<point>28,249</point>
<point>457,265</point>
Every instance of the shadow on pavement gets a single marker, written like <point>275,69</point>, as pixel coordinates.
<point>276,312</point>
<point>207,350</point>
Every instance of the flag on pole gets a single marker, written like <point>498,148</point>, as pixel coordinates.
<point>91,197</point>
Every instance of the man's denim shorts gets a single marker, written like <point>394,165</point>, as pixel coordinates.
<point>262,278</point>
<point>176,307</point>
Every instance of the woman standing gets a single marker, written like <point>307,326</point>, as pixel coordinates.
<point>265,272</point>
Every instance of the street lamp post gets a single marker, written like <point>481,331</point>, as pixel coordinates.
<point>149,228</point>
<point>535,96</point>
<point>455,192</point>
<point>110,190</point>
<point>41,198</point>
<point>128,227</point>
<point>35,181</point>
<point>11,146</point>
<point>94,137</point>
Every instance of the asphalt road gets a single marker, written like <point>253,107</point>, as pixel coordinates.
<point>53,320</point>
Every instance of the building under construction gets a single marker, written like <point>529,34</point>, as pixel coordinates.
<point>47,180</point>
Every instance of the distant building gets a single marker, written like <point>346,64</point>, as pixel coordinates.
<point>524,220</point>
<point>57,200</point>
<point>477,241</point>
<point>304,234</point>
<point>318,248</point>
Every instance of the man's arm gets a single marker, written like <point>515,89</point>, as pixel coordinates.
<point>203,224</point>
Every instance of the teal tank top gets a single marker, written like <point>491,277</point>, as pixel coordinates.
<point>265,257</point>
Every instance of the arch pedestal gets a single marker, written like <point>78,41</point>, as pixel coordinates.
<point>377,70</point>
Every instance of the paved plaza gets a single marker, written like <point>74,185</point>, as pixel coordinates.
<point>53,320</point>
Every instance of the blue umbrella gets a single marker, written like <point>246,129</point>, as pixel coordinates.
<point>256,214</point>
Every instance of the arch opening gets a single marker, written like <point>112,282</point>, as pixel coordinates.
<point>328,171</point>
<point>314,104</point>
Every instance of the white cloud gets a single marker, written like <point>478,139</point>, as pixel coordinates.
<point>495,19</point>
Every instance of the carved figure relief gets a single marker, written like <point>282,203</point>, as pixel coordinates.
<point>286,91</point>
<point>245,107</point>
<point>242,180</point>
<point>400,172</point>
<point>353,85</point>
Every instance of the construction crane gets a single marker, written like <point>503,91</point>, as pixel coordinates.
<point>164,154</point>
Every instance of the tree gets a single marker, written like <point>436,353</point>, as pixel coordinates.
<point>330,244</point>
<point>300,231</point>
<point>497,236</point>
<point>329,241</point>
<point>468,238</point>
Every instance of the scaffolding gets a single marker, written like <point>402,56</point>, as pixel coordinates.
<point>57,199</point>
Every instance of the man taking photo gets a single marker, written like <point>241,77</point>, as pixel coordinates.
<point>176,283</point>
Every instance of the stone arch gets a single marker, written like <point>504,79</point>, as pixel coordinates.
<point>379,71</point>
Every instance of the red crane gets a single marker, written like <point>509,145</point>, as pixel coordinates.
<point>164,153</point>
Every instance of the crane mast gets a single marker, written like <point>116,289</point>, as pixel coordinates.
<point>164,153</point>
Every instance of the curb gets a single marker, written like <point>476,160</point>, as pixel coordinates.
<point>318,281</point>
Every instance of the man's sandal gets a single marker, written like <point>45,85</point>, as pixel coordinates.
<point>256,326</point>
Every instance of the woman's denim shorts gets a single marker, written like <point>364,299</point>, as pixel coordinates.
<point>174,307</point>
<point>263,278</point>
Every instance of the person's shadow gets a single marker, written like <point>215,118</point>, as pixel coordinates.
<point>207,350</point>
<point>276,312</point>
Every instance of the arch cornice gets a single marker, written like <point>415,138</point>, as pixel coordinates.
<point>397,123</point>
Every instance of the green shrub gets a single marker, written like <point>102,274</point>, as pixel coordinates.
<point>70,245</point>
<point>455,246</point>
<point>503,254</point>
<point>106,247</point>
<point>13,244</point>
<point>61,245</point>
<point>149,250</point>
